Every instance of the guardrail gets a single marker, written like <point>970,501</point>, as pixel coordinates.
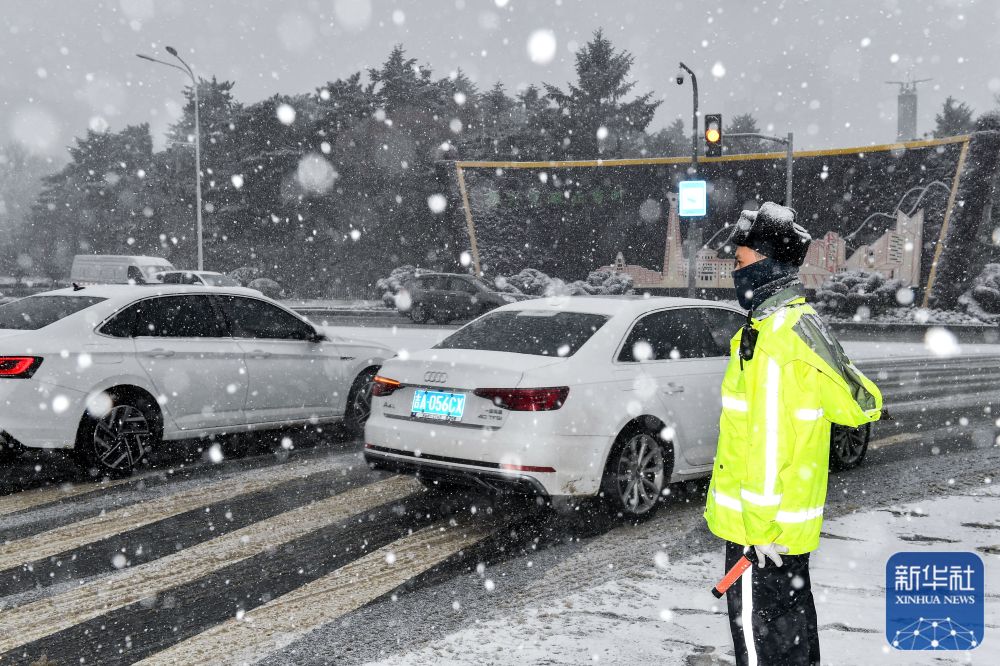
<point>865,330</point>
<point>912,332</point>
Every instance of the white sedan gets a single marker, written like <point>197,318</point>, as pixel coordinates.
<point>110,371</point>
<point>577,396</point>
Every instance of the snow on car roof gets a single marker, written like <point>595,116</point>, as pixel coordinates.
<point>608,305</point>
<point>128,292</point>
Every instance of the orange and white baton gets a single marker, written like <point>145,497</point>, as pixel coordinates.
<point>748,560</point>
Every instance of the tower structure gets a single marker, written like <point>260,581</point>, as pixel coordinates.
<point>906,116</point>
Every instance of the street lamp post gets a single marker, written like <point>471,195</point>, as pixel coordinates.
<point>694,112</point>
<point>197,142</point>
<point>694,224</point>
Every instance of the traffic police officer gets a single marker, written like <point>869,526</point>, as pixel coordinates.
<point>787,380</point>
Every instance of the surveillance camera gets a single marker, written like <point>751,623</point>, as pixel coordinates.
<point>680,79</point>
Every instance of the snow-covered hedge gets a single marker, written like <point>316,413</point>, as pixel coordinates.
<point>246,274</point>
<point>534,282</point>
<point>268,287</point>
<point>870,293</point>
<point>530,281</point>
<point>982,300</point>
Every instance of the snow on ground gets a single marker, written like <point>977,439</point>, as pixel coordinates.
<point>667,614</point>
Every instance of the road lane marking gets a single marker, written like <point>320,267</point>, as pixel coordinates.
<point>893,439</point>
<point>29,499</point>
<point>50,615</point>
<point>278,623</point>
<point>109,523</point>
<point>916,437</point>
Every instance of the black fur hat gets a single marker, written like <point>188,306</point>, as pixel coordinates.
<point>773,232</point>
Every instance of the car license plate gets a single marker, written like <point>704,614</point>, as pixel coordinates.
<point>437,405</point>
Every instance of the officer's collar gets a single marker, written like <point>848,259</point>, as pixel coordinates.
<point>779,300</point>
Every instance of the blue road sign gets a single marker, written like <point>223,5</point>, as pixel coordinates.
<point>692,198</point>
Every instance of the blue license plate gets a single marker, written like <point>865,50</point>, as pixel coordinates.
<point>437,405</point>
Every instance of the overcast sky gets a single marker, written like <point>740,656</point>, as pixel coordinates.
<point>815,68</point>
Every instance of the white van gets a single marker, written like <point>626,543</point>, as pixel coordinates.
<point>116,269</point>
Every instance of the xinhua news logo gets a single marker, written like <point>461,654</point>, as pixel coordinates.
<point>934,601</point>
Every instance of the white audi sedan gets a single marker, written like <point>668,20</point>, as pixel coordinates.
<point>111,371</point>
<point>577,396</point>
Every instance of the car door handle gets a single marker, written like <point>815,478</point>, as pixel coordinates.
<point>672,387</point>
<point>161,353</point>
<point>259,353</point>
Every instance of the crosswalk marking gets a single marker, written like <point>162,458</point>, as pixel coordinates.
<point>278,623</point>
<point>47,616</point>
<point>110,523</point>
<point>32,498</point>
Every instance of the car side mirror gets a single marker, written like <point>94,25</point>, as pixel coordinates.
<point>318,336</point>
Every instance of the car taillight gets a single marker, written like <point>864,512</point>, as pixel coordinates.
<point>526,399</point>
<point>384,386</point>
<point>18,367</point>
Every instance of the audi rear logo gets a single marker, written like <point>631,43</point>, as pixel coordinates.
<point>435,377</point>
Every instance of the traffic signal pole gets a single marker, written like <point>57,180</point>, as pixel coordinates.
<point>789,164</point>
<point>694,225</point>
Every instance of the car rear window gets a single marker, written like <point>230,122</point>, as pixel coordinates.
<point>35,312</point>
<point>536,332</point>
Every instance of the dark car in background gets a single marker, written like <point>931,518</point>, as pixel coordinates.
<point>447,296</point>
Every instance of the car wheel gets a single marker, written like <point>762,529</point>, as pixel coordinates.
<point>359,403</point>
<point>848,446</point>
<point>636,473</point>
<point>418,313</point>
<point>118,441</point>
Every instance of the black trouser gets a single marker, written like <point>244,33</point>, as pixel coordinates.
<point>778,601</point>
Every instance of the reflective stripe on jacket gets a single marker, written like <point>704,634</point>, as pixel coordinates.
<point>770,474</point>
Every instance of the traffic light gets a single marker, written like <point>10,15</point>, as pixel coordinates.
<point>713,134</point>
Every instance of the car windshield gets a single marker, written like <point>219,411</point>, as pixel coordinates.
<point>35,312</point>
<point>536,332</point>
<point>219,280</point>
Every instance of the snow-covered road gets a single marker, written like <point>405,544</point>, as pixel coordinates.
<point>304,556</point>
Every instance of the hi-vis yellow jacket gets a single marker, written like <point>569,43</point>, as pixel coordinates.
<point>770,474</point>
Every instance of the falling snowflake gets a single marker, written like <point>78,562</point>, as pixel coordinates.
<point>542,47</point>
<point>285,113</point>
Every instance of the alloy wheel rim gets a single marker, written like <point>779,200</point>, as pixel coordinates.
<point>640,473</point>
<point>121,438</point>
<point>361,406</point>
<point>849,444</point>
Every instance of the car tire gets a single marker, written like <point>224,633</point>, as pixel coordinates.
<point>118,441</point>
<point>848,446</point>
<point>418,313</point>
<point>636,472</point>
<point>359,403</point>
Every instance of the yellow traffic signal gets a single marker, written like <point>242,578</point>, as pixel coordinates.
<point>713,134</point>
